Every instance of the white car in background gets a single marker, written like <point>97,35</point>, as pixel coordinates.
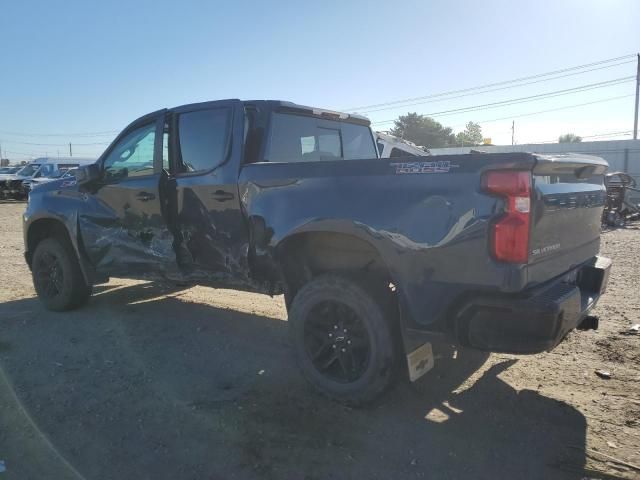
<point>6,172</point>
<point>15,186</point>
<point>32,183</point>
<point>390,146</point>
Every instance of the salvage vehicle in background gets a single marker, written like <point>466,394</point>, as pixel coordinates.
<point>32,183</point>
<point>376,258</point>
<point>6,171</point>
<point>390,146</point>
<point>14,185</point>
<point>623,199</point>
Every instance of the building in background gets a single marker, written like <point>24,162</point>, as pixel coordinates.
<point>622,155</point>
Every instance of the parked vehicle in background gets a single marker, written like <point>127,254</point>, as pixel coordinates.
<point>32,183</point>
<point>6,172</point>
<point>622,195</point>
<point>14,185</point>
<point>376,258</point>
<point>390,146</point>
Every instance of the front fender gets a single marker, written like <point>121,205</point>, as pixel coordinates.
<point>61,206</point>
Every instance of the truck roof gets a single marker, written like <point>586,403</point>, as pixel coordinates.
<point>304,109</point>
<point>322,112</point>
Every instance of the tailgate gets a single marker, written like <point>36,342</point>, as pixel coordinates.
<point>567,203</point>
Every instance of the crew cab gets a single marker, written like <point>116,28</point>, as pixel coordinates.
<point>376,258</point>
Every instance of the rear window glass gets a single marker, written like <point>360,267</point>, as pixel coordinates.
<point>203,139</point>
<point>295,138</point>
<point>357,142</point>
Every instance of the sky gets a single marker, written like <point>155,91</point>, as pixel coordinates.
<point>77,71</point>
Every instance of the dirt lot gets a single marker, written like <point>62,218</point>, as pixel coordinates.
<point>153,381</point>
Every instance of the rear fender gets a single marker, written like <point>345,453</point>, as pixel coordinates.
<point>369,253</point>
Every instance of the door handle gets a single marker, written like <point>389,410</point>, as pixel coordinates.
<point>145,196</point>
<point>222,196</point>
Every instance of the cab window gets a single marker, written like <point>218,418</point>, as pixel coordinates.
<point>298,138</point>
<point>133,155</point>
<point>202,139</point>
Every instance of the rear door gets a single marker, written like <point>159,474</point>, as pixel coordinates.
<point>205,145</point>
<point>568,200</point>
<point>122,226</point>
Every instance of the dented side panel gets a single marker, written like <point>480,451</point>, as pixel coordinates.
<point>123,229</point>
<point>428,222</point>
<point>209,227</point>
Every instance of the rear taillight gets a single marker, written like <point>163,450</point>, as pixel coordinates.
<point>510,233</point>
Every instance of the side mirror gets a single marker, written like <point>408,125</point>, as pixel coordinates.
<point>87,173</point>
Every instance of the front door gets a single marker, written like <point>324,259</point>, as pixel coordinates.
<point>123,226</point>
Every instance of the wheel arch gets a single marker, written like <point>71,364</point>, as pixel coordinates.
<point>304,255</point>
<point>47,227</point>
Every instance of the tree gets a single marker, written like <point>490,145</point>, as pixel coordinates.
<point>569,138</point>
<point>422,131</point>
<point>471,136</point>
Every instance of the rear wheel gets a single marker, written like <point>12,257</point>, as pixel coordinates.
<point>342,339</point>
<point>57,277</point>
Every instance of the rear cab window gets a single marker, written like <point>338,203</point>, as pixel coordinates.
<point>299,138</point>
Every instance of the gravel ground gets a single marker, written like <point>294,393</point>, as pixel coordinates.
<point>154,381</point>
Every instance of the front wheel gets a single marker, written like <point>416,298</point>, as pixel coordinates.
<point>342,339</point>
<point>57,277</point>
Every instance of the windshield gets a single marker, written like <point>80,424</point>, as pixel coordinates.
<point>29,170</point>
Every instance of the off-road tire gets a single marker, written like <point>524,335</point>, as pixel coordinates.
<point>381,366</point>
<point>71,291</point>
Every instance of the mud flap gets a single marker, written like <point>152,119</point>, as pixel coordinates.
<point>420,361</point>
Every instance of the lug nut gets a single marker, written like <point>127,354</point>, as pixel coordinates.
<point>345,330</point>
<point>344,350</point>
<point>348,342</point>
<point>334,346</point>
<point>330,335</point>
<point>335,327</point>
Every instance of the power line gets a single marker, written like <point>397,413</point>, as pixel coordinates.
<point>45,154</point>
<point>549,110</point>
<point>56,144</point>
<point>496,84</point>
<point>85,134</point>
<point>489,91</point>
<point>530,98</point>
<point>598,135</point>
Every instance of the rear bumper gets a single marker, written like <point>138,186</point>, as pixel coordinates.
<point>536,320</point>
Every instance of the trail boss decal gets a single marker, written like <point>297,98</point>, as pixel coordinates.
<point>442,166</point>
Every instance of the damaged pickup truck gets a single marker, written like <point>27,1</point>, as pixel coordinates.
<point>376,258</point>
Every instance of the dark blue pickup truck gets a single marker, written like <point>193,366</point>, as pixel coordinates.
<point>376,257</point>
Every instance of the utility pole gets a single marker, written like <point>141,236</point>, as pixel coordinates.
<point>635,121</point>
<point>513,131</point>
<point>70,152</point>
